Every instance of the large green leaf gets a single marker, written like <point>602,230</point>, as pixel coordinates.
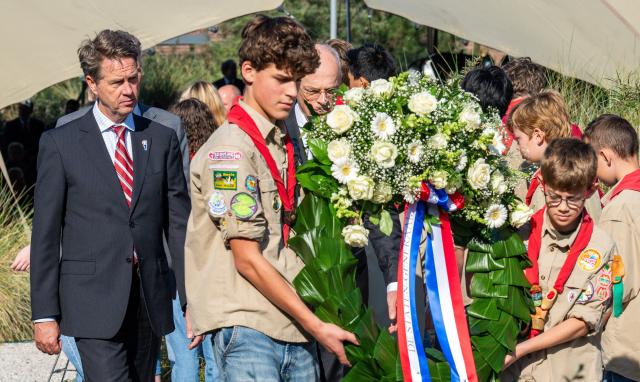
<point>484,308</point>
<point>314,212</point>
<point>477,246</point>
<point>482,262</point>
<point>478,326</point>
<point>361,372</point>
<point>490,351</point>
<point>318,148</point>
<point>511,247</point>
<point>311,285</point>
<point>302,248</point>
<point>313,166</point>
<point>386,224</point>
<point>517,304</point>
<point>505,330</point>
<point>439,371</point>
<point>350,309</point>
<point>512,274</point>
<point>483,369</point>
<point>386,352</point>
<point>481,286</point>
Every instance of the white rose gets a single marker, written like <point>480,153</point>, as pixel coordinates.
<point>438,141</point>
<point>520,215</point>
<point>479,175</point>
<point>381,87</point>
<point>415,151</point>
<point>497,183</point>
<point>439,179</point>
<point>382,193</point>
<point>470,116</point>
<point>353,95</point>
<point>356,235</point>
<point>338,150</point>
<point>360,188</point>
<point>423,103</point>
<point>384,153</point>
<point>341,118</point>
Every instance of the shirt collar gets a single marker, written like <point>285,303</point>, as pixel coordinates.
<point>104,123</point>
<point>264,125</point>
<point>561,240</point>
<point>301,119</point>
<point>137,111</point>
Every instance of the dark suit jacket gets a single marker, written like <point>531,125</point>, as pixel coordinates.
<point>84,232</point>
<point>386,248</point>
<point>155,114</point>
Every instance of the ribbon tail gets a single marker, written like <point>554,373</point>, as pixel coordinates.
<point>618,292</point>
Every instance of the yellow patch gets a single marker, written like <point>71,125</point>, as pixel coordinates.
<point>589,260</point>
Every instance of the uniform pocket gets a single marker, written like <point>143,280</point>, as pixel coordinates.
<point>78,267</point>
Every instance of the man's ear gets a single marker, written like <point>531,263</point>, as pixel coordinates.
<point>91,83</point>
<point>248,72</point>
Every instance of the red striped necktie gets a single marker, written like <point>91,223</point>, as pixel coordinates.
<point>123,164</point>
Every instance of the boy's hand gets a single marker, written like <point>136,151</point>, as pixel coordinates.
<point>509,359</point>
<point>332,337</point>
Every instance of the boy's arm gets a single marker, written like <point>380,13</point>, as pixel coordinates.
<point>566,331</point>
<point>254,267</point>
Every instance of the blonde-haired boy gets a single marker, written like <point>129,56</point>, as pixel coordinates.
<point>569,254</point>
<point>535,122</point>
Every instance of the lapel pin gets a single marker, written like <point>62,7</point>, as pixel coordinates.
<point>145,146</point>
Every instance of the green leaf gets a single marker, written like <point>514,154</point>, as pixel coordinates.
<point>374,219</point>
<point>313,166</point>
<point>512,274</point>
<point>517,304</point>
<point>318,148</point>
<point>505,331</point>
<point>439,371</point>
<point>311,285</point>
<point>361,371</point>
<point>386,352</point>
<point>478,326</point>
<point>484,308</point>
<point>481,262</point>
<point>490,351</point>
<point>386,224</point>
<point>435,355</point>
<point>481,286</point>
<point>351,309</point>
<point>476,246</point>
<point>301,248</point>
<point>483,369</point>
<point>511,247</point>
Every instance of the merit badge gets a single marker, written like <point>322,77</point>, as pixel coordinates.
<point>244,205</point>
<point>587,294</point>
<point>277,203</point>
<point>225,155</point>
<point>225,180</point>
<point>603,292</point>
<point>589,260</point>
<point>571,296</point>
<point>216,203</point>
<point>251,183</point>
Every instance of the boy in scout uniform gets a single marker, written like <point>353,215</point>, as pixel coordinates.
<point>239,271</point>
<point>534,123</point>
<point>571,258</point>
<point>616,144</point>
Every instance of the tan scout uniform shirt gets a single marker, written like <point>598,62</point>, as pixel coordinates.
<point>621,337</point>
<point>593,206</point>
<point>586,296</point>
<point>234,196</point>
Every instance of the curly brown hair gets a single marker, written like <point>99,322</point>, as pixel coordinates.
<point>527,77</point>
<point>279,41</point>
<point>197,121</point>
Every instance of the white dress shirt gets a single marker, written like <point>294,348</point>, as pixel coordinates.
<point>302,120</point>
<point>110,137</point>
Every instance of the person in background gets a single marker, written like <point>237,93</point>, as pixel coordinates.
<point>368,63</point>
<point>197,120</point>
<point>491,86</point>
<point>206,93</point>
<point>229,76</point>
<point>342,47</point>
<point>527,78</point>
<point>228,94</point>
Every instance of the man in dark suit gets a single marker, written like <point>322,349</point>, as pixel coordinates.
<point>229,76</point>
<point>109,185</point>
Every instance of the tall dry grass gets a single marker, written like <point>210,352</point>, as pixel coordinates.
<point>15,309</point>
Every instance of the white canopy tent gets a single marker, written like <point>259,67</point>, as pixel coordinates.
<point>594,40</point>
<point>41,37</point>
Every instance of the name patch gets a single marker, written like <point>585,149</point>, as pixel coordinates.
<point>225,155</point>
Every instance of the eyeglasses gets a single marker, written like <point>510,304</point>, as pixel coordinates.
<point>573,202</point>
<point>312,94</point>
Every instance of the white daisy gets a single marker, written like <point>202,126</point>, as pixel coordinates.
<point>462,162</point>
<point>496,215</point>
<point>344,170</point>
<point>415,151</point>
<point>383,126</point>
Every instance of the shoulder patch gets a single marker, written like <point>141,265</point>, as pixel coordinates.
<point>225,180</point>
<point>244,205</point>
<point>225,155</point>
<point>587,294</point>
<point>589,260</point>
<point>251,183</point>
<point>217,205</point>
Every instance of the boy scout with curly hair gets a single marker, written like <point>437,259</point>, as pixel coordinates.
<point>239,271</point>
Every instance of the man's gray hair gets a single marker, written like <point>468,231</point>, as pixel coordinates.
<point>107,44</point>
<point>334,53</point>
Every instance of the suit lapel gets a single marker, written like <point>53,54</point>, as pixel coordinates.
<point>93,144</point>
<point>140,148</point>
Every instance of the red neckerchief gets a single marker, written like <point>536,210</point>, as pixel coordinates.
<point>576,132</point>
<point>533,186</point>
<point>535,241</point>
<point>508,137</point>
<point>238,116</point>
<point>631,181</point>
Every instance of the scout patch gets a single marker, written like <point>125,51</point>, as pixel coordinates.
<point>225,180</point>
<point>589,260</point>
<point>586,295</point>
<point>244,205</point>
<point>603,292</point>
<point>571,296</point>
<point>604,277</point>
<point>277,203</point>
<point>225,155</point>
<point>251,183</point>
<point>217,207</point>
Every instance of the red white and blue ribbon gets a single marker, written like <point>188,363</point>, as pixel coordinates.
<point>443,290</point>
